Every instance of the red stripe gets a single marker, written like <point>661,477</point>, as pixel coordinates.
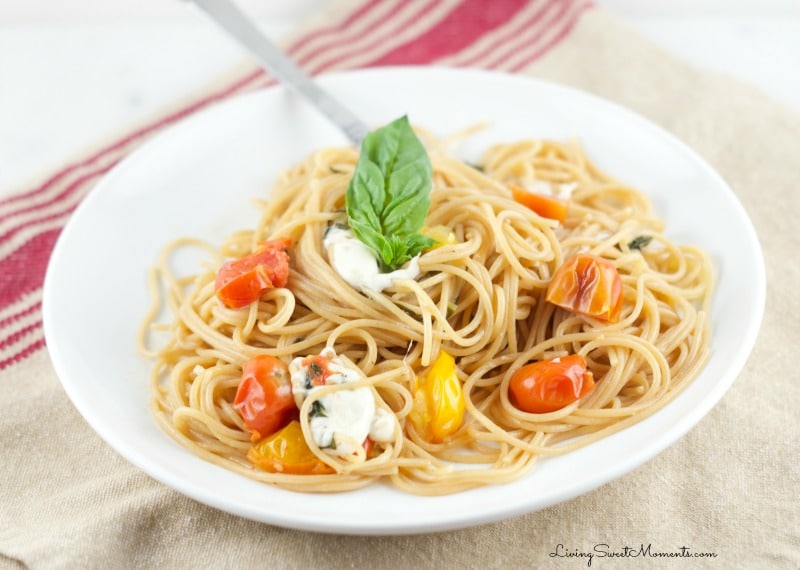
<point>121,143</point>
<point>332,30</point>
<point>376,43</point>
<point>80,183</point>
<point>539,25</point>
<point>63,195</point>
<point>23,270</point>
<point>23,354</point>
<point>12,338</point>
<point>396,7</point>
<point>463,26</point>
<point>570,23</point>
<point>514,27</point>
<point>17,316</point>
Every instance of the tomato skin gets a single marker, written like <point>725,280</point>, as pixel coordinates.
<point>588,285</point>
<point>546,206</point>
<point>241,281</point>
<point>286,451</point>
<point>264,398</point>
<point>549,385</point>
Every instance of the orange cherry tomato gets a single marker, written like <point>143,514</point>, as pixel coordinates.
<point>549,385</point>
<point>286,451</point>
<point>588,285</point>
<point>545,206</point>
<point>242,281</point>
<point>264,399</point>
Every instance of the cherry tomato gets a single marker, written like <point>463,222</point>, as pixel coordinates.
<point>242,281</point>
<point>588,285</point>
<point>264,398</point>
<point>438,409</point>
<point>286,451</point>
<point>549,385</point>
<point>545,206</point>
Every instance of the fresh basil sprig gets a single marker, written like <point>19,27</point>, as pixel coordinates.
<point>389,194</point>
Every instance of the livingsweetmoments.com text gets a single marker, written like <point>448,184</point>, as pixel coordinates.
<point>603,551</point>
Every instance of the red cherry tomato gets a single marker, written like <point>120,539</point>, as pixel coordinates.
<point>264,399</point>
<point>588,285</point>
<point>242,281</point>
<point>549,385</point>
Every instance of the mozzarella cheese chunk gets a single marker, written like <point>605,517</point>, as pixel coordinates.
<point>356,264</point>
<point>344,418</point>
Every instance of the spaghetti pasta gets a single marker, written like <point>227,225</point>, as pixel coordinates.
<point>481,297</point>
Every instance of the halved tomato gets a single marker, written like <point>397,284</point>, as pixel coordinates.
<point>264,398</point>
<point>589,285</point>
<point>242,281</point>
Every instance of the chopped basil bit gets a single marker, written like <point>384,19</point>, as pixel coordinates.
<point>639,242</point>
<point>317,409</point>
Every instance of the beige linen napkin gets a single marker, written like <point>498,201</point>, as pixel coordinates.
<point>729,489</point>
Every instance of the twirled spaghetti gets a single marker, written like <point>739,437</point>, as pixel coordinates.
<point>480,298</point>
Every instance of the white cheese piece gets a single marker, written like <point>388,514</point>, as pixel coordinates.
<point>356,264</point>
<point>562,190</point>
<point>382,428</point>
<point>347,420</point>
<point>539,187</point>
<point>348,416</point>
<point>565,190</point>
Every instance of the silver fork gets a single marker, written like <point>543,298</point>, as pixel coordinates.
<point>228,16</point>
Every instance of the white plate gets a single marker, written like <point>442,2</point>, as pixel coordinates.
<point>199,178</point>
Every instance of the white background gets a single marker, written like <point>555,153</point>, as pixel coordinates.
<point>75,73</point>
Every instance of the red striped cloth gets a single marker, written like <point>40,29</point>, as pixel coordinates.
<point>507,35</point>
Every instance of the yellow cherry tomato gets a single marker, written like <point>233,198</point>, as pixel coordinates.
<point>438,409</point>
<point>286,451</point>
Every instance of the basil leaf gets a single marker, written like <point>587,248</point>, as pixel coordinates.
<point>388,196</point>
